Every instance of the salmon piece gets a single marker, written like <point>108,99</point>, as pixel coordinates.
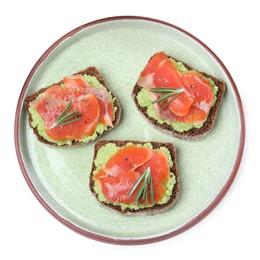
<point>192,105</point>
<point>168,76</point>
<point>160,171</point>
<point>195,116</point>
<point>50,109</point>
<point>75,86</point>
<point>116,189</point>
<point>126,159</point>
<point>146,78</point>
<point>154,63</point>
<point>60,93</point>
<point>105,106</point>
<point>121,172</point>
<point>76,82</point>
<point>66,94</point>
<point>201,89</point>
<point>161,72</point>
<point>158,164</point>
<point>107,114</point>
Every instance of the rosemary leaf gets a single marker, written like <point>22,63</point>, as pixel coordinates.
<point>146,196</point>
<point>67,108</point>
<point>151,190</point>
<point>162,98</point>
<point>167,103</point>
<point>167,93</point>
<point>67,117</point>
<point>139,195</point>
<point>136,185</point>
<point>69,121</point>
<point>163,90</point>
<point>146,181</point>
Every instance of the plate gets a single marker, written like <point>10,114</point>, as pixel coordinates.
<point>120,47</point>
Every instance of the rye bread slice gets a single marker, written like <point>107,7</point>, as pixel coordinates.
<point>145,211</point>
<point>195,133</point>
<point>92,71</point>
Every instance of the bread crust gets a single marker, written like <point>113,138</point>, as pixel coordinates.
<point>145,211</point>
<point>92,71</point>
<point>195,133</point>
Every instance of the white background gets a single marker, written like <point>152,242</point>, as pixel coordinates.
<point>229,28</point>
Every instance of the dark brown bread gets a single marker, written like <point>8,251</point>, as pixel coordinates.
<point>146,211</point>
<point>92,71</point>
<point>195,133</point>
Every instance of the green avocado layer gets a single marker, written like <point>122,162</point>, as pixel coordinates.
<point>107,151</point>
<point>144,100</point>
<point>38,122</point>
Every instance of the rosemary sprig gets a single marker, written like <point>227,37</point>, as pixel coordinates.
<point>146,180</point>
<point>67,117</point>
<point>167,93</point>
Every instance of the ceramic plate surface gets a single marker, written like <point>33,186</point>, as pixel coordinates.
<point>120,47</point>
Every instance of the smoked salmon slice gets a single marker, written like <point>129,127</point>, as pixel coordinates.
<point>195,116</point>
<point>154,63</point>
<point>126,159</point>
<point>117,188</point>
<point>162,73</point>
<point>93,103</point>
<point>75,82</point>
<point>158,164</point>
<point>122,170</point>
<point>75,86</point>
<point>167,76</point>
<point>50,108</point>
<point>159,168</point>
<point>201,89</point>
<point>192,105</point>
<point>105,105</point>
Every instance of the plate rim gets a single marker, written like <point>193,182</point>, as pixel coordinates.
<point>138,241</point>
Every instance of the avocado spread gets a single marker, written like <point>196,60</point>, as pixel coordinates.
<point>38,122</point>
<point>107,151</point>
<point>144,100</point>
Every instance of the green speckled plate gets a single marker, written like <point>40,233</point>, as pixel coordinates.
<point>120,47</point>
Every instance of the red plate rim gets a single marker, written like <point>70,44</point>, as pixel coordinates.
<point>88,234</point>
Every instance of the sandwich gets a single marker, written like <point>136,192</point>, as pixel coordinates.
<point>75,111</point>
<point>176,98</point>
<point>132,177</point>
